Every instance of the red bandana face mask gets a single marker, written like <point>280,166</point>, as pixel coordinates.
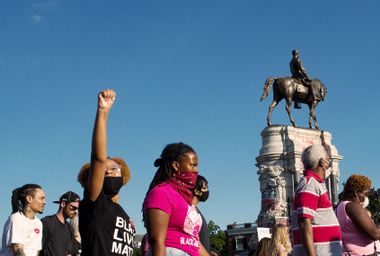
<point>188,179</point>
<point>184,183</point>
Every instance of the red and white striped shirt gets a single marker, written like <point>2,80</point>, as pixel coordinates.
<point>312,202</point>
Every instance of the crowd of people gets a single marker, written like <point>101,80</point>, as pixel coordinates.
<point>174,224</point>
<point>277,245</point>
<point>318,228</point>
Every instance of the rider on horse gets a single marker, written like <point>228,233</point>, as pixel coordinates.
<point>299,73</point>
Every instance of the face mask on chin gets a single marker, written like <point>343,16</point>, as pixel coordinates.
<point>112,186</point>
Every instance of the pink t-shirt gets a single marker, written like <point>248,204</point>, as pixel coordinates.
<point>184,220</point>
<point>354,240</point>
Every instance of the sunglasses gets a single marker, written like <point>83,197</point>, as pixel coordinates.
<point>73,208</point>
<point>113,168</point>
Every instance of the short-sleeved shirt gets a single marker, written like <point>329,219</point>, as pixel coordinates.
<point>105,228</point>
<point>203,234</point>
<point>184,219</point>
<point>312,202</point>
<point>57,238</point>
<point>21,230</point>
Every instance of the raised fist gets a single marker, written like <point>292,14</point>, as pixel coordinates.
<point>106,99</point>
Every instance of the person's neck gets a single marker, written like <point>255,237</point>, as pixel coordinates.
<point>351,199</point>
<point>60,216</point>
<point>355,199</point>
<point>195,201</point>
<point>320,172</point>
<point>29,213</point>
<point>115,199</point>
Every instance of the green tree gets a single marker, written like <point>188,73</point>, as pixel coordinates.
<point>217,238</point>
<point>374,204</point>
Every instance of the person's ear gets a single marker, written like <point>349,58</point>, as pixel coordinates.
<point>175,165</point>
<point>197,192</point>
<point>28,199</point>
<point>323,163</point>
<point>63,204</point>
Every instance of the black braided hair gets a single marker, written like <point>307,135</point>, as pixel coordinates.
<point>18,199</point>
<point>172,152</point>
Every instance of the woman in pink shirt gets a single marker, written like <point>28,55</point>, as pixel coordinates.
<point>359,232</point>
<point>172,222</point>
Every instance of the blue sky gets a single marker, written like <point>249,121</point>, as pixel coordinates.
<point>190,71</point>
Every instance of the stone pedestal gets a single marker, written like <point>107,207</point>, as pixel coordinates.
<point>280,168</point>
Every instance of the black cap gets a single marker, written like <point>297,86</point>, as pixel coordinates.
<point>68,197</point>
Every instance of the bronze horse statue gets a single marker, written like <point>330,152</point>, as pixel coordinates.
<point>291,90</point>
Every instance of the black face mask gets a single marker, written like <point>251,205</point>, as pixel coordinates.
<point>112,186</point>
<point>204,196</point>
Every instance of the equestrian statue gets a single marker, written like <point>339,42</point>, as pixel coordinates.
<point>299,88</point>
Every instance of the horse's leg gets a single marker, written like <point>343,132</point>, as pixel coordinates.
<point>271,107</point>
<point>315,103</point>
<point>312,105</point>
<point>288,108</point>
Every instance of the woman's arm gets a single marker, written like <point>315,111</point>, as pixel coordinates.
<point>157,224</point>
<point>362,221</point>
<point>95,181</point>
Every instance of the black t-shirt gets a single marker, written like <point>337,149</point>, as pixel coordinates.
<point>203,234</point>
<point>57,238</point>
<point>105,228</point>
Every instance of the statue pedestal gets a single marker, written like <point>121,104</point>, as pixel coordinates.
<point>280,168</point>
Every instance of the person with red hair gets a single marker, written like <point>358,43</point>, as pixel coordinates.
<point>359,232</point>
<point>105,228</point>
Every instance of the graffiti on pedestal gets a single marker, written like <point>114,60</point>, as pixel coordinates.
<point>273,195</point>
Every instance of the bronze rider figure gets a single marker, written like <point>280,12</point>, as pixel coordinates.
<point>299,73</point>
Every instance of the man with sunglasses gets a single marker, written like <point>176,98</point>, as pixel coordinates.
<point>57,236</point>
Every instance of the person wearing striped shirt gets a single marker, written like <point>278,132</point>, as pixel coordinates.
<point>315,226</point>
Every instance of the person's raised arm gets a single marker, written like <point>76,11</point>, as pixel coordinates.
<point>362,221</point>
<point>306,231</point>
<point>95,181</point>
<point>157,224</point>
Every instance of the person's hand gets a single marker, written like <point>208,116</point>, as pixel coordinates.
<point>132,224</point>
<point>106,99</point>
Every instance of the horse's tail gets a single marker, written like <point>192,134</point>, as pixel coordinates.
<point>267,86</point>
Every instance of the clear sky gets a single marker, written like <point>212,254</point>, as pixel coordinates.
<point>184,70</point>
